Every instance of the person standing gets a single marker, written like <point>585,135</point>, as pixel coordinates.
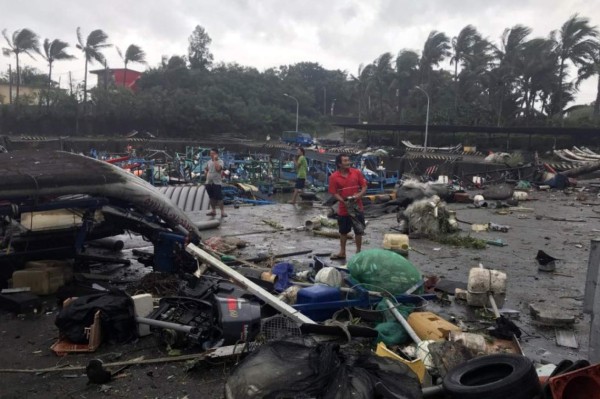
<point>301,171</point>
<point>214,170</point>
<point>348,185</point>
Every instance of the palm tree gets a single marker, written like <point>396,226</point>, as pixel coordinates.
<point>436,48</point>
<point>96,41</point>
<point>54,51</point>
<point>576,42</point>
<point>380,73</point>
<point>406,77</point>
<point>133,53</point>
<point>360,85</point>
<point>462,47</point>
<point>589,70</point>
<point>22,41</point>
<point>509,56</point>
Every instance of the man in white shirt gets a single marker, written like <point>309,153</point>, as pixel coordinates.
<point>213,170</point>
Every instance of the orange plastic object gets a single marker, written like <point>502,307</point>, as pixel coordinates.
<point>430,326</point>
<point>579,384</point>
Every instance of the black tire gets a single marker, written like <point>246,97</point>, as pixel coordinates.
<point>499,376</point>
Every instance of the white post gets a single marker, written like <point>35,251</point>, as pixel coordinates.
<point>591,301</point>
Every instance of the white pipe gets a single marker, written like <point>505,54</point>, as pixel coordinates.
<point>249,285</point>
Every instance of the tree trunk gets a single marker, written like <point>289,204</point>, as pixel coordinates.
<point>49,85</point>
<point>455,89</point>
<point>597,103</point>
<point>560,86</point>
<point>85,86</point>
<point>125,74</point>
<point>18,78</point>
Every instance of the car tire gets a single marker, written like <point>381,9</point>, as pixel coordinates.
<point>500,376</point>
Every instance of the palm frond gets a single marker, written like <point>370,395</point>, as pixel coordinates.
<point>134,53</point>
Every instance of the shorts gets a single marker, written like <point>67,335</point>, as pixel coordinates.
<point>300,183</point>
<point>345,224</point>
<point>214,191</point>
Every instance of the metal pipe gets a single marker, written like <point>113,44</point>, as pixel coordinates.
<point>402,320</point>
<point>165,324</point>
<point>249,285</point>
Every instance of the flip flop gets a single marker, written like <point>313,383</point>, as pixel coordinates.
<point>337,257</point>
<point>211,214</point>
<point>224,215</point>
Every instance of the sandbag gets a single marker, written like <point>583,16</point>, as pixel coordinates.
<point>380,269</point>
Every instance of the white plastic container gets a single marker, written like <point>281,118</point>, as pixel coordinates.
<point>483,281</point>
<point>41,281</point>
<point>520,195</point>
<point>396,242</point>
<point>144,304</point>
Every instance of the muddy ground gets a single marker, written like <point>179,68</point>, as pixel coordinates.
<point>25,340</point>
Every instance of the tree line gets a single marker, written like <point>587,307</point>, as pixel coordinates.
<point>517,80</point>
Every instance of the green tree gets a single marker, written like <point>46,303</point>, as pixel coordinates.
<point>589,70</point>
<point>22,41</point>
<point>462,49</point>
<point>134,54</point>
<point>380,77</point>
<point>435,50</point>
<point>406,78</point>
<point>576,42</point>
<point>199,55</point>
<point>92,51</point>
<point>54,51</point>
<point>503,77</point>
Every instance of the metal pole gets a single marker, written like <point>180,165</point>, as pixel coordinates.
<point>249,285</point>
<point>324,100</point>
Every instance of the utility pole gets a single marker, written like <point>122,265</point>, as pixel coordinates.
<point>70,84</point>
<point>9,83</point>
<point>324,100</point>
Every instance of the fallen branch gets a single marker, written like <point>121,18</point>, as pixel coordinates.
<point>183,358</point>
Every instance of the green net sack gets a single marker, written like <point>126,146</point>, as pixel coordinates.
<point>391,333</point>
<point>385,270</point>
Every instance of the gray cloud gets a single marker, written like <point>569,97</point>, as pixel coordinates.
<point>339,34</point>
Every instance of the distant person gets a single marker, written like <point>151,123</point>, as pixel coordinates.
<point>301,171</point>
<point>348,185</point>
<point>214,169</point>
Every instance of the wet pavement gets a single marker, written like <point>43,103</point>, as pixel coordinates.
<point>25,341</point>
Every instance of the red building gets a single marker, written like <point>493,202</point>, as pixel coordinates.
<point>117,77</point>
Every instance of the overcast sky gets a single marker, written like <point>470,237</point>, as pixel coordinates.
<point>338,34</point>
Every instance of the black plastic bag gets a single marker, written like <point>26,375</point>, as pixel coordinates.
<point>282,369</point>
<point>117,317</point>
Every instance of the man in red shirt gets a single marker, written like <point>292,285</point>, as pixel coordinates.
<point>348,185</point>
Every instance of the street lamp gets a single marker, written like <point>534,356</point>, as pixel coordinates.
<point>297,107</point>
<point>426,117</point>
<point>332,106</point>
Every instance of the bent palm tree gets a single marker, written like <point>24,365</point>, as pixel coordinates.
<point>462,46</point>
<point>54,51</point>
<point>588,71</point>
<point>22,41</point>
<point>576,42</point>
<point>95,41</point>
<point>436,48</point>
<point>133,53</point>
